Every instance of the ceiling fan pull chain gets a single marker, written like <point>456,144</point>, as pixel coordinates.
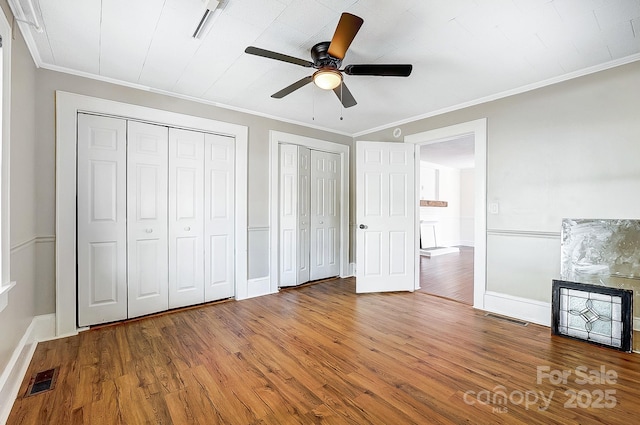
<point>341,104</point>
<point>313,105</point>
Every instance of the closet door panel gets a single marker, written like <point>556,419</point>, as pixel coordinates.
<point>288,227</point>
<point>304,214</point>
<point>147,167</point>
<point>102,231</point>
<point>219,250</point>
<point>186,218</point>
<point>325,215</point>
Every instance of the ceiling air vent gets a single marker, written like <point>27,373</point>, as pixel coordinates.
<point>211,7</point>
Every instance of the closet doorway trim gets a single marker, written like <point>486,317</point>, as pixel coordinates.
<point>277,137</point>
<point>68,105</point>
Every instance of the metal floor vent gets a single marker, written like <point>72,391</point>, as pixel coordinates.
<point>42,381</point>
<point>507,319</point>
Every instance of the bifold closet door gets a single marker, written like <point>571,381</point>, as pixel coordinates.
<point>147,254</point>
<point>186,217</point>
<point>219,217</point>
<point>325,215</point>
<point>294,215</point>
<point>102,222</point>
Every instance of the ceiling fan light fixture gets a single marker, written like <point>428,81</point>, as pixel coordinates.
<point>327,79</point>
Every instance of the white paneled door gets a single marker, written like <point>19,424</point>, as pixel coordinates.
<point>325,215</point>
<point>156,218</point>
<point>186,217</point>
<point>102,219</point>
<point>219,212</point>
<point>309,225</point>
<point>385,242</point>
<point>147,239</point>
<point>290,245</point>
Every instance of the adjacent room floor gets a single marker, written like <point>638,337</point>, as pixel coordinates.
<point>449,275</point>
<point>322,354</point>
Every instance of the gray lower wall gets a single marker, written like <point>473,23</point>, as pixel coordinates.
<point>566,150</point>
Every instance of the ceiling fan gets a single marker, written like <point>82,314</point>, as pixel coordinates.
<point>327,59</point>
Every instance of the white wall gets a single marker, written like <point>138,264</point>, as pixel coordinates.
<point>448,218</point>
<point>467,206</point>
<point>566,150</point>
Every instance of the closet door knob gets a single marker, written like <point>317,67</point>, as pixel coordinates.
<point>363,226</point>
<point>149,230</point>
<point>187,228</point>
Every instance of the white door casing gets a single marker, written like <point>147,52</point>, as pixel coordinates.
<point>147,243</point>
<point>385,216</point>
<point>102,226</point>
<point>479,130</point>
<point>278,139</point>
<point>68,108</point>
<point>325,215</point>
<point>219,186</point>
<point>186,217</point>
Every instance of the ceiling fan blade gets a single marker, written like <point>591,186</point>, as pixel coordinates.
<point>293,87</point>
<point>347,28</point>
<point>345,96</point>
<point>382,70</point>
<point>277,56</point>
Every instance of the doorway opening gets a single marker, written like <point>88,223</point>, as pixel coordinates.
<point>446,218</point>
<point>477,132</point>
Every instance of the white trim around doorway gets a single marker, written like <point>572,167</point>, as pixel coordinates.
<point>67,107</point>
<point>479,130</point>
<point>276,138</point>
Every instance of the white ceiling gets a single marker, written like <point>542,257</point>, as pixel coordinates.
<point>463,51</point>
<point>456,153</point>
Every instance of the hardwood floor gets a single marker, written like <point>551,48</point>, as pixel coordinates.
<point>322,354</point>
<point>449,276</point>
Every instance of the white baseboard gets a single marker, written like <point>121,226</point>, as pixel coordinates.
<point>258,287</point>
<point>352,270</point>
<point>520,308</point>
<point>434,252</point>
<point>40,329</point>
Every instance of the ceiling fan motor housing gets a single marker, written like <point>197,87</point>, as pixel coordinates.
<point>321,57</point>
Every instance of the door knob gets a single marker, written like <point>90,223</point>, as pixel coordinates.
<point>363,226</point>
<point>187,228</point>
<point>149,230</point>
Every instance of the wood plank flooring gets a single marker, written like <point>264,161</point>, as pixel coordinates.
<point>322,354</point>
<point>449,276</point>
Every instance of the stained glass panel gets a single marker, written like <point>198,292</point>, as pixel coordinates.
<point>601,315</point>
